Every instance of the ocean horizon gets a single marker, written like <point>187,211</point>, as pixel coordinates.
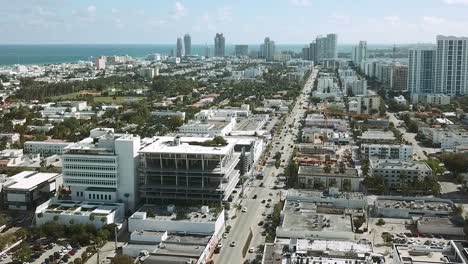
<point>27,54</point>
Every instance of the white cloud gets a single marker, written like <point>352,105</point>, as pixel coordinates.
<point>179,10</point>
<point>393,20</point>
<point>300,3</point>
<point>432,20</point>
<point>456,2</point>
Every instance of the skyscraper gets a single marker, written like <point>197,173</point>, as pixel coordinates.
<point>188,45</point>
<point>313,52</point>
<point>179,48</point>
<point>360,53</point>
<point>421,72</point>
<point>326,47</point>
<point>241,50</point>
<point>306,53</point>
<point>399,80</point>
<point>268,49</point>
<point>220,45</point>
<point>451,66</point>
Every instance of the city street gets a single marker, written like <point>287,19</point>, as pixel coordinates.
<point>248,221</point>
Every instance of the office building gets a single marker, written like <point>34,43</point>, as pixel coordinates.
<point>313,52</point>
<point>179,48</point>
<point>28,189</point>
<point>241,50</point>
<point>188,168</point>
<point>306,53</point>
<point>421,72</point>
<point>359,53</point>
<point>405,207</point>
<point>188,45</point>
<point>451,66</point>
<point>326,47</point>
<point>102,167</point>
<point>399,80</point>
<point>219,45</point>
<point>268,49</point>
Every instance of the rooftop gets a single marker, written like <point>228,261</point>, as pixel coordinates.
<point>170,213</point>
<point>340,195</point>
<point>319,171</point>
<point>384,164</point>
<point>455,252</point>
<point>378,135</point>
<point>414,203</point>
<point>167,145</point>
<point>303,216</point>
<point>27,180</point>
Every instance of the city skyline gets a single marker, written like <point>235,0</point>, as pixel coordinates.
<point>91,22</point>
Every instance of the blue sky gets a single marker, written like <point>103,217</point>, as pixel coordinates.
<point>242,21</point>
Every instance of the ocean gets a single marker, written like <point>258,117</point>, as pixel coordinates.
<point>62,53</point>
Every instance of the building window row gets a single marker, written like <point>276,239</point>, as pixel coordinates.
<point>96,196</point>
<point>89,174</point>
<point>90,182</point>
<point>88,167</point>
<point>84,160</point>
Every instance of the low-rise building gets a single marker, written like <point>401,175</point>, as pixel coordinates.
<point>319,120</point>
<point>316,178</point>
<point>178,114</point>
<point>10,137</point>
<point>377,137</point>
<point>69,212</point>
<point>443,226</point>
<point>207,128</point>
<point>28,189</point>
<point>438,99</point>
<point>411,207</point>
<point>453,253</point>
<point>45,148</point>
<point>175,234</point>
<point>397,172</point>
<point>364,104</point>
<point>332,198</point>
<point>386,151</point>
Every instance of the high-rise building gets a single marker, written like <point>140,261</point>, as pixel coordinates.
<point>207,51</point>
<point>399,80</point>
<point>421,72</point>
<point>179,48</point>
<point>326,47</point>
<point>188,45</point>
<point>220,45</point>
<point>313,52</point>
<point>100,63</point>
<point>241,50</point>
<point>306,53</point>
<point>102,168</point>
<point>451,66</point>
<point>268,49</point>
<point>359,54</point>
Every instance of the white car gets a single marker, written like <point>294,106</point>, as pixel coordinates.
<point>251,250</point>
<point>244,209</point>
<point>225,235</point>
<point>220,245</point>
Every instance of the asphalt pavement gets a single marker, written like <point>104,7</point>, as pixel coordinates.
<point>248,221</point>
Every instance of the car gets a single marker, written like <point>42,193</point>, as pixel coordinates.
<point>251,250</point>
<point>264,233</point>
<point>233,244</point>
<point>244,209</point>
<point>268,206</point>
<point>225,235</point>
<point>269,200</point>
<point>220,245</point>
<point>263,214</point>
<point>260,223</point>
<point>271,194</point>
<point>235,191</point>
<point>254,197</point>
<point>263,201</point>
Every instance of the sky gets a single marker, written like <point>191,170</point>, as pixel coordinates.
<point>241,21</point>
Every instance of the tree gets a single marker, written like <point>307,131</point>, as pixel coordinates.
<point>23,254</point>
<point>342,167</point>
<point>455,162</point>
<point>77,261</point>
<point>327,168</point>
<point>380,222</point>
<point>122,259</point>
<point>358,222</point>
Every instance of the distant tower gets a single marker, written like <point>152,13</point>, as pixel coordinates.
<point>268,51</point>
<point>220,45</point>
<point>188,45</point>
<point>207,51</point>
<point>179,48</point>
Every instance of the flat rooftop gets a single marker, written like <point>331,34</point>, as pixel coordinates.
<point>385,164</point>
<point>81,208</point>
<point>166,145</point>
<point>303,216</point>
<point>318,171</point>
<point>27,180</point>
<point>192,214</point>
<point>429,254</point>
<point>415,203</point>
<point>315,194</point>
<point>377,135</point>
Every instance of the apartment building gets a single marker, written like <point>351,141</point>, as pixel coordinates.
<point>386,151</point>
<point>45,148</point>
<point>396,172</point>
<point>188,168</point>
